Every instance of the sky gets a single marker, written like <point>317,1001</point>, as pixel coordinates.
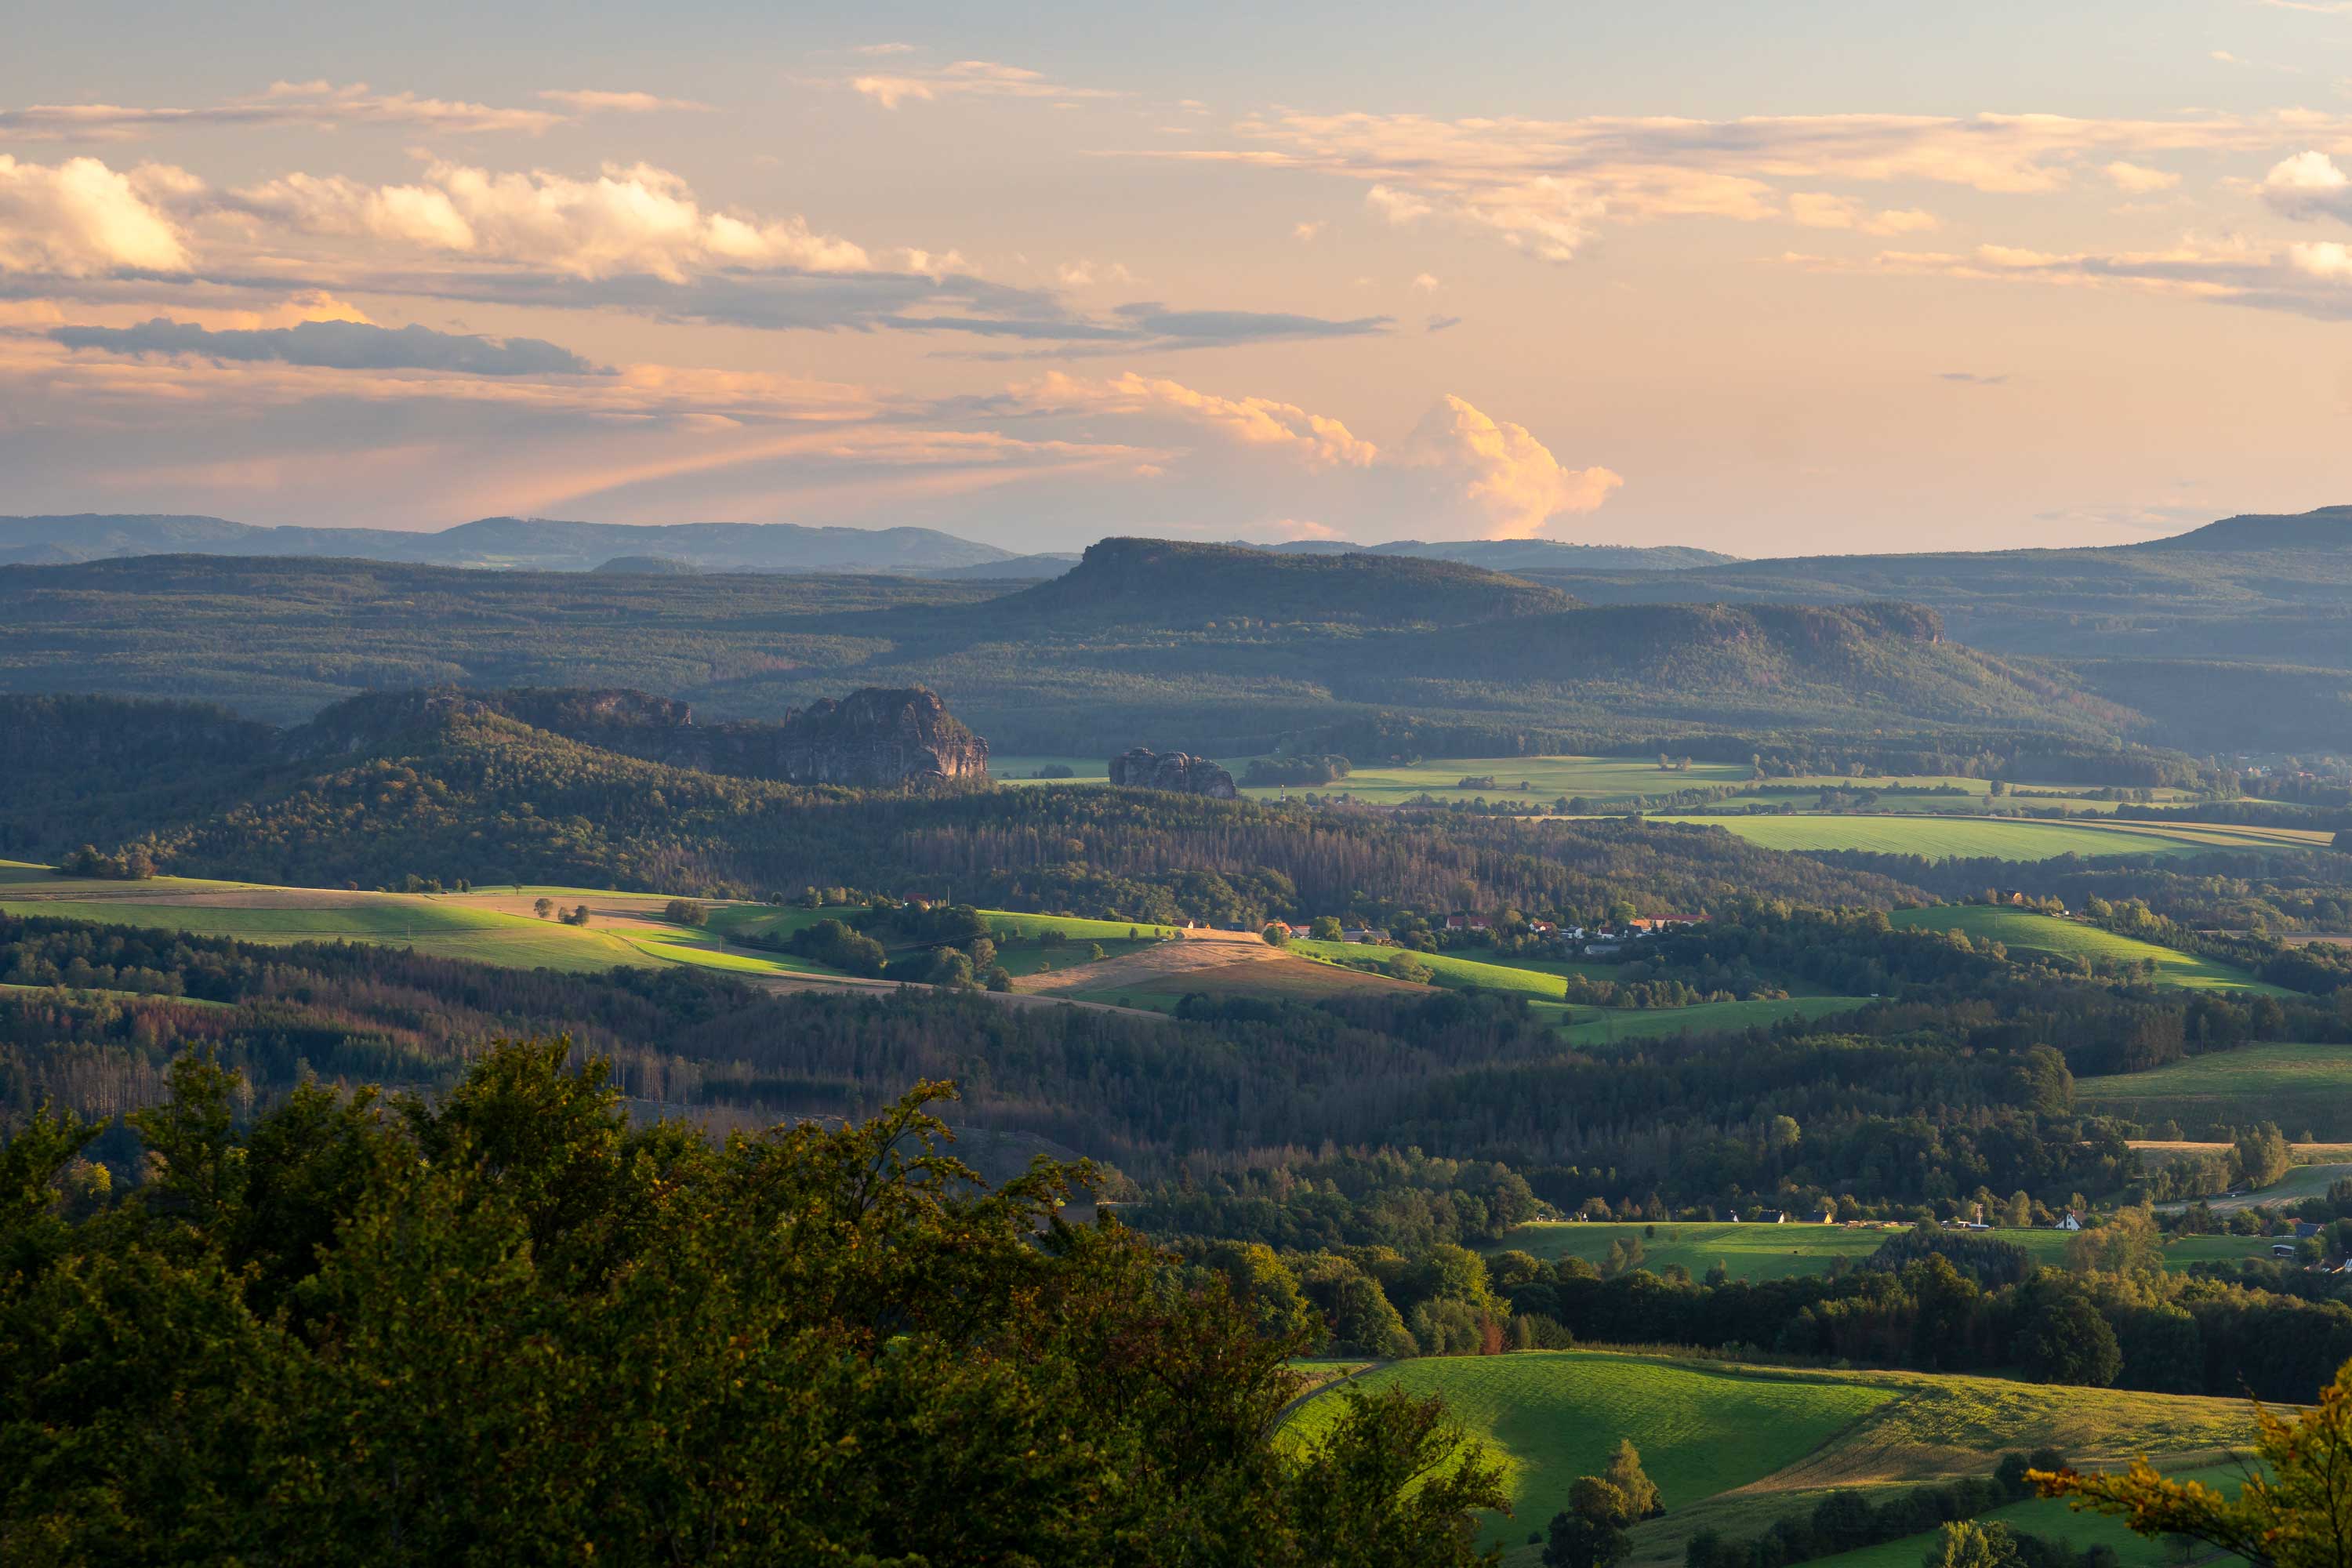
<point>1774,279</point>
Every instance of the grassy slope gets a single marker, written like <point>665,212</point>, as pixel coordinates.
<point>2050,1520</point>
<point>1553,1416</point>
<point>2300,1088</point>
<point>1734,1448</point>
<point>1784,1251</point>
<point>1945,838</point>
<point>1548,778</point>
<point>2047,933</point>
<point>459,926</point>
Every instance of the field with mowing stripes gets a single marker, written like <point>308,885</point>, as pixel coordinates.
<point>2023,929</point>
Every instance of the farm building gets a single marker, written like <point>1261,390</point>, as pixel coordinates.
<point>2070,1220</point>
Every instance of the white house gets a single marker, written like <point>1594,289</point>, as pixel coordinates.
<point>2070,1220</point>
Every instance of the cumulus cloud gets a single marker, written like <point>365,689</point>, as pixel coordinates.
<point>2137,179</point>
<point>81,219</point>
<point>1501,470</point>
<point>628,219</point>
<point>1317,441</point>
<point>2308,185</point>
<point>966,78</point>
<point>1304,231</point>
<point>337,345</point>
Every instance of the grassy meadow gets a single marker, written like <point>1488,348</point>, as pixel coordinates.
<point>2304,1089</point>
<point>1757,1252</point>
<point>1950,837</point>
<point>1593,1027</point>
<point>1733,1447</point>
<point>2022,929</point>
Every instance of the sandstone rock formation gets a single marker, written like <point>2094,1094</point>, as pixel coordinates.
<point>1179,771</point>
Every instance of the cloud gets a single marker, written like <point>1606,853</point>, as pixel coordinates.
<point>633,218</point>
<point>1501,470</point>
<point>80,218</point>
<point>966,78</point>
<point>1314,439</point>
<point>883,49</point>
<point>2137,179</point>
<point>2302,280</point>
<point>589,101</point>
<point>1400,207</point>
<point>1819,209</point>
<point>1426,282</point>
<point>1085,273</point>
<point>1304,231</point>
<point>339,345</point>
<point>2308,185</point>
<point>1441,324</point>
<point>314,103</point>
<point>1970,378</point>
<point>1547,188</point>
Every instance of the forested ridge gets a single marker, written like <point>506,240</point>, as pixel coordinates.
<point>1208,648</point>
<point>477,795</point>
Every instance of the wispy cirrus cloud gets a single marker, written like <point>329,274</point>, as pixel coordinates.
<point>2304,279</point>
<point>310,103</point>
<point>1547,188</point>
<point>336,345</point>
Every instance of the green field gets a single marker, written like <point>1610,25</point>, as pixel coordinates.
<point>2300,1088</point>
<point>2024,930</point>
<point>1553,1416</point>
<point>1596,1027</point>
<point>1802,1246</point>
<point>1734,1448</point>
<point>1949,837</point>
<point>1598,779</point>
<point>1531,978</point>
<point>2050,1520</point>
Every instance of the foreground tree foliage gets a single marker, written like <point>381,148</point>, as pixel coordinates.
<point>2295,1511</point>
<point>509,1327</point>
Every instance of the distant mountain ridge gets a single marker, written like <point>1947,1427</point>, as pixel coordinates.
<point>544,544</point>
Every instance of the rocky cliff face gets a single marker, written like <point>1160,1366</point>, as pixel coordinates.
<point>876,738</point>
<point>1178,770</point>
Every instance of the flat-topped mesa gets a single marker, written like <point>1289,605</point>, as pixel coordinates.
<point>1179,771</point>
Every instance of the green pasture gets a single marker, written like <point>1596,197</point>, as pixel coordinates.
<point>1547,778</point>
<point>1802,1246</point>
<point>2300,1088</point>
<point>1549,982</point>
<point>100,993</point>
<point>1553,1416</point>
<point>1734,1448</point>
<point>2024,930</point>
<point>1946,837</point>
<point>2052,1519</point>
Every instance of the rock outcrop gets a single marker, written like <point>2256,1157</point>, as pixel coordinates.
<point>1178,770</point>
